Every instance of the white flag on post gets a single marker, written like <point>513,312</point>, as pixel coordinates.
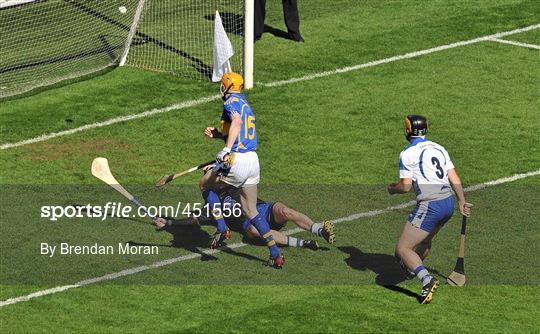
<point>223,50</point>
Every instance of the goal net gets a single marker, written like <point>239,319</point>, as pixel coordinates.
<point>177,36</point>
<point>44,42</point>
<point>48,41</point>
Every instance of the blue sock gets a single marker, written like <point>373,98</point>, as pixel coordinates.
<point>264,230</point>
<point>212,198</point>
<point>422,274</point>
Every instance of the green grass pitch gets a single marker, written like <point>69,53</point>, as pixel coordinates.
<point>328,147</point>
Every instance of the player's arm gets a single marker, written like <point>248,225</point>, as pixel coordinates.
<point>402,187</point>
<point>405,177</point>
<point>455,182</point>
<point>234,130</point>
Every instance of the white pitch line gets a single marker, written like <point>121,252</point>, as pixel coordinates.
<point>167,262</point>
<point>400,57</point>
<point>525,45</point>
<point>177,106</point>
<point>206,99</point>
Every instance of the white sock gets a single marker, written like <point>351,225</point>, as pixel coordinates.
<point>317,228</point>
<point>426,280</point>
<point>294,242</point>
<point>423,275</point>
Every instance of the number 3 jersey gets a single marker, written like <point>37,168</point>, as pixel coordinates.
<point>427,164</point>
<point>236,104</point>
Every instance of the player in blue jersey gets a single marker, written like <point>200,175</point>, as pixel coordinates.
<point>426,167</point>
<point>277,214</point>
<point>237,164</point>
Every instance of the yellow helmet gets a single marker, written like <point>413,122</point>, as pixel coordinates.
<point>231,83</point>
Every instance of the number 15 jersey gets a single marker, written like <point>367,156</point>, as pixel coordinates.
<point>427,163</point>
<point>236,104</point>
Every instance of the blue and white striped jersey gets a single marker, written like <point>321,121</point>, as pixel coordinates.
<point>427,164</point>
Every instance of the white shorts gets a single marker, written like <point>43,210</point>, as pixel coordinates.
<point>244,171</point>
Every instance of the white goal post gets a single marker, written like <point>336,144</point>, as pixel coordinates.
<point>132,31</point>
<point>49,41</point>
<point>249,40</point>
<point>176,36</point>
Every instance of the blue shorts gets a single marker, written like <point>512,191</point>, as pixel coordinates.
<point>428,215</point>
<point>265,209</point>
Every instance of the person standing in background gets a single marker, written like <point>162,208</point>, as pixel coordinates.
<point>290,13</point>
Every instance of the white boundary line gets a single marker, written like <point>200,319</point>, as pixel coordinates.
<point>167,262</point>
<point>525,45</point>
<point>401,57</point>
<point>177,106</point>
<point>206,99</point>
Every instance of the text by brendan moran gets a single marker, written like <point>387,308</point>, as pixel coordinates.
<point>65,248</point>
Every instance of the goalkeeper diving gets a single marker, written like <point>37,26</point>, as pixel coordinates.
<point>277,214</point>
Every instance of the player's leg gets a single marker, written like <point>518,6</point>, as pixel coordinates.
<point>422,250</point>
<point>248,199</point>
<point>415,241</point>
<point>410,238</point>
<point>424,247</point>
<point>281,239</point>
<point>277,220</point>
<point>210,184</point>
<point>282,214</point>
<point>244,174</point>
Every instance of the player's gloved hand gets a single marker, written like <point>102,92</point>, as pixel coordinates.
<point>277,262</point>
<point>218,237</point>
<point>221,168</point>
<point>223,155</point>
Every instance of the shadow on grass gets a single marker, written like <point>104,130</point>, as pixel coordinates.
<point>388,270</point>
<point>276,32</point>
<point>189,235</point>
<point>234,24</point>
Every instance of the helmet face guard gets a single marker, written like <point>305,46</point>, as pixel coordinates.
<point>231,83</point>
<point>223,90</point>
<point>415,126</point>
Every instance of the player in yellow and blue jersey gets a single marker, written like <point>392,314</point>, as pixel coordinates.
<point>237,164</point>
<point>276,213</point>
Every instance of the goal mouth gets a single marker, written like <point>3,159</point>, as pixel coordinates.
<point>47,42</point>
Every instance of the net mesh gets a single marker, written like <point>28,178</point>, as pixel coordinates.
<point>176,36</point>
<point>45,42</point>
